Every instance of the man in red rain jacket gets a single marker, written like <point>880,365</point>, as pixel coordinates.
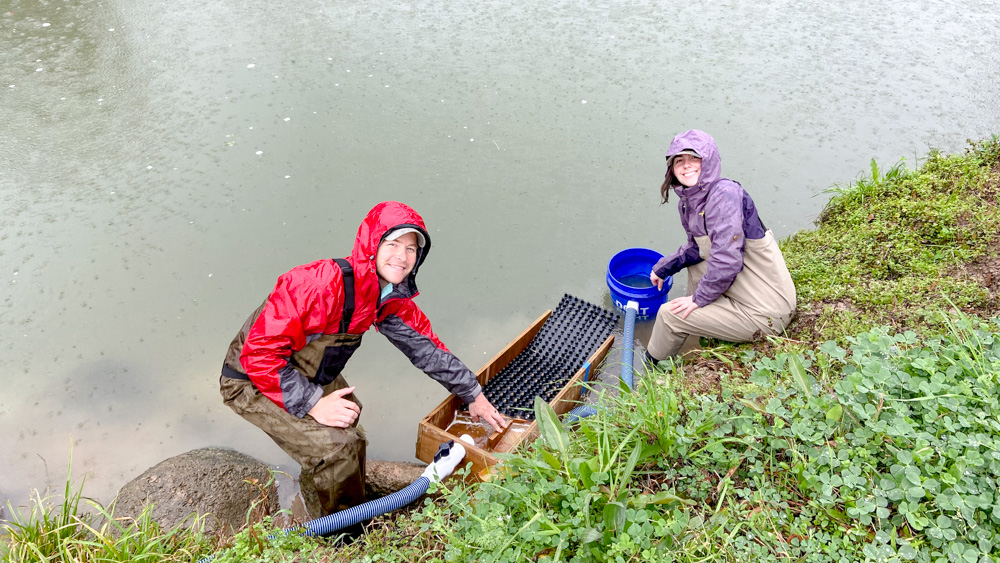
<point>282,372</point>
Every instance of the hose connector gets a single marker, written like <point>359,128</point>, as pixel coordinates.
<point>447,458</point>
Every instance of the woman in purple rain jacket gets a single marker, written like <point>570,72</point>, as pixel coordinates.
<point>739,288</point>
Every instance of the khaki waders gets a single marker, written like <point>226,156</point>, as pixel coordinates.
<point>332,459</point>
<point>761,301</point>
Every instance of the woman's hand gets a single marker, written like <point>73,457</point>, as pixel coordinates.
<point>657,280</point>
<point>682,306</point>
<point>482,409</point>
<point>336,411</point>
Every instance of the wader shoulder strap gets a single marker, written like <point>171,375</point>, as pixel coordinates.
<point>345,267</point>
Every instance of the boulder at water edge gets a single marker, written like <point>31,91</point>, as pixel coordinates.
<point>203,481</point>
<point>386,477</point>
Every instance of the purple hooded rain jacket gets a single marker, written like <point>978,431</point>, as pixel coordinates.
<point>717,207</point>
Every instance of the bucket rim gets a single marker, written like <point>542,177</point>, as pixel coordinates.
<point>640,249</point>
<point>616,286</point>
<point>636,252</point>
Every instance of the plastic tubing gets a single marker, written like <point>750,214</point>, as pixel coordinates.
<point>628,354</point>
<point>628,346</point>
<point>339,520</point>
<point>447,458</point>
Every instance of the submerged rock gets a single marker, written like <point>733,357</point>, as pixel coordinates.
<point>221,482</point>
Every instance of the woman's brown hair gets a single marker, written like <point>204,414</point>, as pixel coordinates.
<point>666,187</point>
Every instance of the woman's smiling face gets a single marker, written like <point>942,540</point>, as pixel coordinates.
<point>687,169</point>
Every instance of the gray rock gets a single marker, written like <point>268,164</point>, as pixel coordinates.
<point>210,481</point>
<point>386,477</point>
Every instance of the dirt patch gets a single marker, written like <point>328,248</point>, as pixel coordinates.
<point>804,326</point>
<point>985,271</point>
<point>703,376</point>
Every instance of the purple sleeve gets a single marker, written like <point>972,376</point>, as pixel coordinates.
<point>685,256</point>
<point>724,221</point>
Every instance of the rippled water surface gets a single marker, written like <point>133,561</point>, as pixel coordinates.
<point>161,163</point>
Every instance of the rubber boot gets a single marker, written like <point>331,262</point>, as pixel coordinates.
<point>648,359</point>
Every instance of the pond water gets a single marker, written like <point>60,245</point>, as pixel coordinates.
<point>161,163</point>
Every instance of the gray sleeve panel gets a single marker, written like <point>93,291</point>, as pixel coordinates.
<point>440,365</point>
<point>298,393</point>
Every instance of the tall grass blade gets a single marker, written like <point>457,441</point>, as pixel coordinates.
<point>800,377</point>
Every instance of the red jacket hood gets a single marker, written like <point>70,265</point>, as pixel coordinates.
<point>382,219</point>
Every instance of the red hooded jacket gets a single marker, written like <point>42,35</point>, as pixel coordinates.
<point>292,344</point>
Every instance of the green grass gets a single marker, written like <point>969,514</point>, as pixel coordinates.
<point>890,248</point>
<point>72,528</point>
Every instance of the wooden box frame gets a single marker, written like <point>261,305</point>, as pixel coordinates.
<point>431,431</point>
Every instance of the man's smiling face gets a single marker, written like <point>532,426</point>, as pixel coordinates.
<point>395,258</point>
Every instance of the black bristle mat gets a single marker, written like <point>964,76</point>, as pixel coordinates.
<point>570,335</point>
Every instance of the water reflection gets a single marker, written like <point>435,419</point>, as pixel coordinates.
<point>162,163</point>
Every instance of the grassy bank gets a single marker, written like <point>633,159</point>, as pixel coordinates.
<point>901,246</point>
<point>870,431</point>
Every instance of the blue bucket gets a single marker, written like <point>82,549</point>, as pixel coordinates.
<point>628,280</point>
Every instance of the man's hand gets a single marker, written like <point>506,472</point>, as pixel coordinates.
<point>482,409</point>
<point>682,306</point>
<point>657,280</point>
<point>336,411</point>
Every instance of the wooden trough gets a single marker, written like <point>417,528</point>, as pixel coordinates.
<point>445,421</point>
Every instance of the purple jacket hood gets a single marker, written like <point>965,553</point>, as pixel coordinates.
<point>704,145</point>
